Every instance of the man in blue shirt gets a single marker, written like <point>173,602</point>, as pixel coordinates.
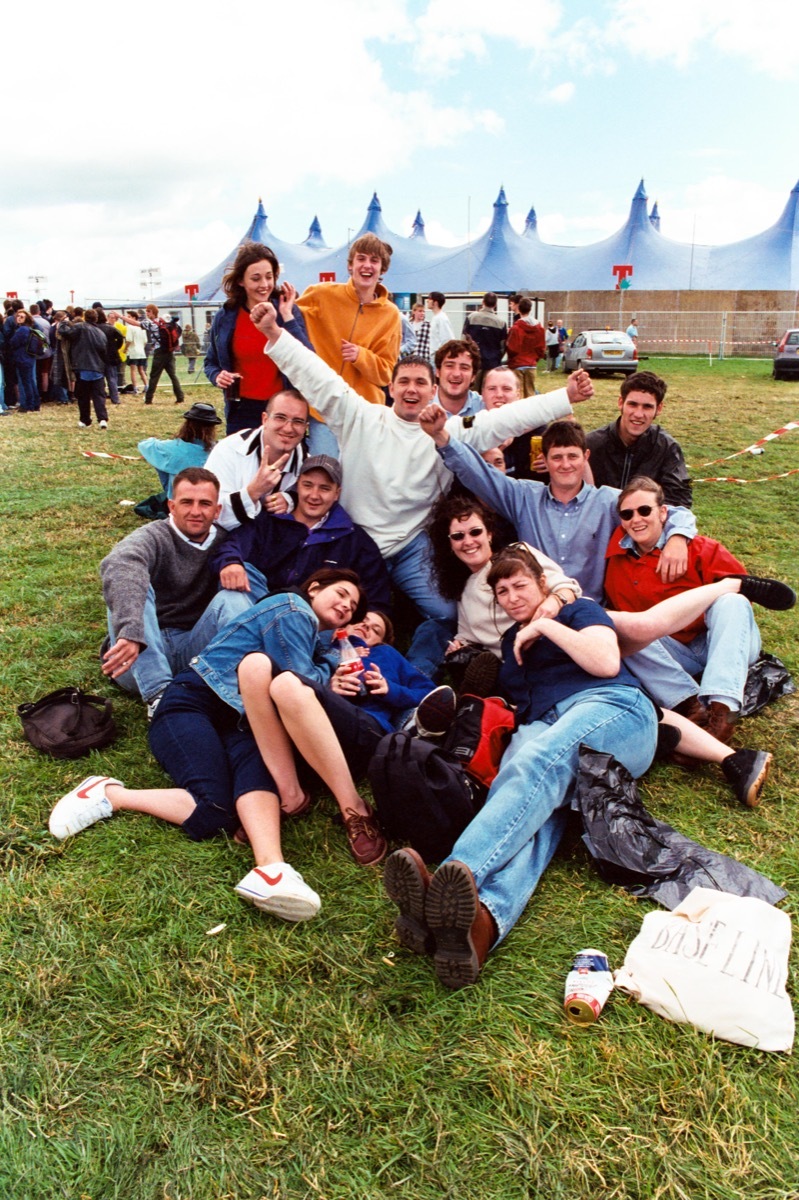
<point>572,522</point>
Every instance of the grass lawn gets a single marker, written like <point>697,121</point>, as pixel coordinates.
<point>142,1058</point>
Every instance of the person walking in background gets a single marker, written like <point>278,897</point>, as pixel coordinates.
<point>167,333</point>
<point>526,344</point>
<point>191,347</point>
<point>136,341</point>
<point>440,328</point>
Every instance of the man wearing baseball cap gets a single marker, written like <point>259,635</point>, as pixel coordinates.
<point>281,550</point>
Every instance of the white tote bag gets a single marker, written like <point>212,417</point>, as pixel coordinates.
<point>718,962</point>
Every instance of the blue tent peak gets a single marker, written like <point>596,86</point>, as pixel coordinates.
<point>531,223</point>
<point>641,192</point>
<point>501,199</point>
<point>315,238</point>
<point>374,204</point>
<point>654,217</point>
<point>418,227</point>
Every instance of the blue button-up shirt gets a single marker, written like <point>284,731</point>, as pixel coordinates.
<point>575,533</point>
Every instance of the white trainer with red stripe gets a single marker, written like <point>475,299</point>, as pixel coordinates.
<point>279,889</point>
<point>83,806</point>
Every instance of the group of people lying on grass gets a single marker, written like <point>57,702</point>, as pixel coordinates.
<point>275,665</point>
<point>267,692</point>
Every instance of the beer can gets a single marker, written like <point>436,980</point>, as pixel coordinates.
<point>588,985</point>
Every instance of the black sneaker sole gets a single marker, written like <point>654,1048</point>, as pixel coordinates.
<point>406,887</point>
<point>450,910</point>
<point>480,676</point>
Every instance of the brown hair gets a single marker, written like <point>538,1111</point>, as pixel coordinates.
<point>645,381</point>
<point>194,475</point>
<point>247,254</point>
<point>641,483</point>
<point>327,576</point>
<point>458,346</point>
<point>449,573</point>
<point>513,559</point>
<point>370,243</point>
<point>563,433</point>
<point>197,431</point>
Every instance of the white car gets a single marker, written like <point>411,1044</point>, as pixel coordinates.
<point>601,350</point>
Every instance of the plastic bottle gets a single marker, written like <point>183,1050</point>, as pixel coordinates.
<point>350,661</point>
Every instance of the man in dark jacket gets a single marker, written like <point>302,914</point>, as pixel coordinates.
<point>281,551</point>
<point>489,331</point>
<point>88,351</point>
<point>632,445</point>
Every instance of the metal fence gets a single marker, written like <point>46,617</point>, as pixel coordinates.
<point>722,334</point>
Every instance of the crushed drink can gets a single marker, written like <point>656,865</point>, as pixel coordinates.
<point>588,985</point>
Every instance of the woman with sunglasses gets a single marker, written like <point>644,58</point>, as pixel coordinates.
<point>464,536</point>
<point>235,359</point>
<point>218,736</point>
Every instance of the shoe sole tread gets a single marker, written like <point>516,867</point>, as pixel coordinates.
<point>405,887</point>
<point>450,910</point>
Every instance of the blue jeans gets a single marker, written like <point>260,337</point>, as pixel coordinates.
<point>111,377</point>
<point>511,841</point>
<point>661,675</point>
<point>28,387</point>
<point>169,651</point>
<point>723,653</point>
<point>411,571</point>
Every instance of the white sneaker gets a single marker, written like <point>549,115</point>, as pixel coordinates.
<point>84,424</point>
<point>103,424</point>
<point>82,807</point>
<point>278,889</point>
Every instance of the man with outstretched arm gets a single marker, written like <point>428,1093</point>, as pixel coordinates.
<point>572,522</point>
<point>391,471</point>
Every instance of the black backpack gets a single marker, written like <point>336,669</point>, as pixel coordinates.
<point>37,344</point>
<point>424,797</point>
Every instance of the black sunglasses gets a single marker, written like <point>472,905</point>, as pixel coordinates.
<point>627,514</point>
<point>461,534</point>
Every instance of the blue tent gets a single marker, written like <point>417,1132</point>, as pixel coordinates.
<point>503,260</point>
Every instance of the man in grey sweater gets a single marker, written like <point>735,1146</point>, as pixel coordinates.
<point>162,600</point>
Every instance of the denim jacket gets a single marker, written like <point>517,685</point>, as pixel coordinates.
<point>282,626</point>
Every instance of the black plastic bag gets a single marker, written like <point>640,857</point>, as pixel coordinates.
<point>647,857</point>
<point>768,679</point>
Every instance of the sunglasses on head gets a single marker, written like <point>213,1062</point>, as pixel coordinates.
<point>462,533</point>
<point>643,510</point>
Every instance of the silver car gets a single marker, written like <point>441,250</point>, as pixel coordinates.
<point>601,350</point>
<point>786,359</point>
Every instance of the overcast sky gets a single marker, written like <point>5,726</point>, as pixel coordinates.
<point>143,137</point>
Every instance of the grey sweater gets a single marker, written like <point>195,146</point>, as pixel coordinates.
<point>178,573</point>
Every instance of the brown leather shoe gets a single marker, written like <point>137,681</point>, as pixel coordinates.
<point>463,928</point>
<point>694,710</point>
<point>367,844</point>
<point>406,880</point>
<point>722,722</point>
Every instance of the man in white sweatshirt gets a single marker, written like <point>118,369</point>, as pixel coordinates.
<point>392,473</point>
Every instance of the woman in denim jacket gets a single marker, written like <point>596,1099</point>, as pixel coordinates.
<point>234,360</point>
<point>207,734</point>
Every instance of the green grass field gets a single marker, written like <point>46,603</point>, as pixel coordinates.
<point>142,1058</point>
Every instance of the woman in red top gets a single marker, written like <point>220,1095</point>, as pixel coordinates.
<point>235,359</point>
